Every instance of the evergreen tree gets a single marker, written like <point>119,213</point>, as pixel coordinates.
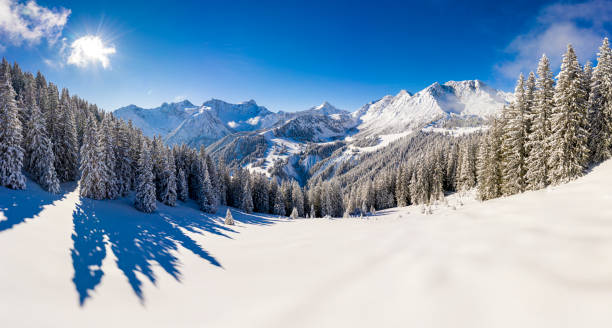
<point>11,151</point>
<point>297,198</point>
<point>247,197</point>
<point>600,106</point>
<point>229,219</point>
<point>537,161</point>
<point>107,156</point>
<point>93,181</point>
<point>279,204</point>
<point>515,167</point>
<point>168,194</point>
<point>65,146</point>
<point>181,186</point>
<point>294,214</point>
<point>145,199</point>
<point>40,158</point>
<point>123,164</point>
<point>568,141</point>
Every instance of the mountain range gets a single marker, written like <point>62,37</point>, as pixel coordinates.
<point>281,143</point>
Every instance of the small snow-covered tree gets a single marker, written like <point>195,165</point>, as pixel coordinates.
<point>229,219</point>
<point>294,213</point>
<point>11,151</point>
<point>145,199</point>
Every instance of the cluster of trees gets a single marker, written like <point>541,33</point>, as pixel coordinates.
<point>553,130</point>
<point>420,169</point>
<point>40,130</point>
<point>255,192</point>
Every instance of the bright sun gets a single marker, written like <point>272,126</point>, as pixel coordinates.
<point>90,49</point>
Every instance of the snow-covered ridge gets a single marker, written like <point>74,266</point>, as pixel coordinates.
<point>408,111</point>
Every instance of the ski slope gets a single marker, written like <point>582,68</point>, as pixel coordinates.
<point>539,259</point>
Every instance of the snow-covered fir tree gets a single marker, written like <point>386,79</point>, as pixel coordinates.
<point>246,203</point>
<point>229,219</point>
<point>39,160</point>
<point>568,141</point>
<point>168,194</point>
<point>123,164</point>
<point>65,146</point>
<point>600,106</point>
<point>516,131</point>
<point>297,197</point>
<point>181,186</point>
<point>107,157</point>
<point>537,161</point>
<point>145,199</point>
<point>93,180</point>
<point>11,151</point>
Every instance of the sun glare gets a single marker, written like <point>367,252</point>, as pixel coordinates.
<point>90,49</point>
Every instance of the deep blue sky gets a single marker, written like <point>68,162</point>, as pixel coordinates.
<point>291,55</point>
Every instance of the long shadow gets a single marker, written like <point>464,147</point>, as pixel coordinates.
<point>137,240</point>
<point>18,206</point>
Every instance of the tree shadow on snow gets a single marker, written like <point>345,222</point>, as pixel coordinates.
<point>138,240</point>
<point>18,206</point>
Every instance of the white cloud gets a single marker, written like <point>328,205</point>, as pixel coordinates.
<point>30,22</point>
<point>556,26</point>
<point>90,50</point>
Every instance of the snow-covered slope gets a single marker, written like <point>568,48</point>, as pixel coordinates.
<point>404,111</point>
<point>539,259</point>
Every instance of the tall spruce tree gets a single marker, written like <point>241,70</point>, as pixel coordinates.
<point>145,199</point>
<point>39,160</point>
<point>11,151</point>
<point>537,161</point>
<point>93,181</point>
<point>65,145</point>
<point>600,106</point>
<point>515,167</point>
<point>568,141</point>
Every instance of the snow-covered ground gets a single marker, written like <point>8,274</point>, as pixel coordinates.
<point>540,259</point>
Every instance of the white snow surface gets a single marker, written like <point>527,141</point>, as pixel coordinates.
<point>539,259</point>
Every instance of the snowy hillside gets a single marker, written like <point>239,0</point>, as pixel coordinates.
<point>528,260</point>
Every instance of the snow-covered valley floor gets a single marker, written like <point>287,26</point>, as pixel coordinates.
<point>540,259</point>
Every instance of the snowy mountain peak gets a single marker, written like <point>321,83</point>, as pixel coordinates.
<point>326,109</point>
<point>406,111</point>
